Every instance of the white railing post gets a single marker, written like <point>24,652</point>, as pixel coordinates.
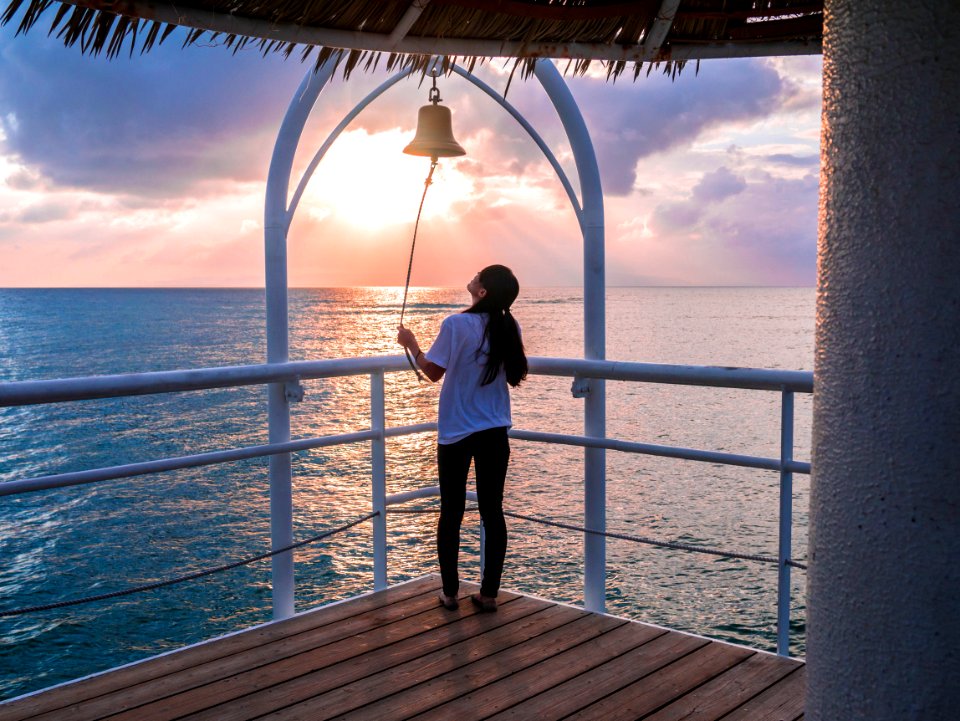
<point>786,523</point>
<point>378,480</point>
<point>594,332</point>
<point>275,265</point>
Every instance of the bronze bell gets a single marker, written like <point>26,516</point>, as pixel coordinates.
<point>434,138</point>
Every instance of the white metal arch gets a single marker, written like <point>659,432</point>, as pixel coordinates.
<point>277,218</point>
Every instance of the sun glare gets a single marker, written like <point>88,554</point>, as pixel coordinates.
<point>367,181</point>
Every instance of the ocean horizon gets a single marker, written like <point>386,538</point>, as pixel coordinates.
<point>335,287</point>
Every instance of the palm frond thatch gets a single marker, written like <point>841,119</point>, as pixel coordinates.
<point>617,33</point>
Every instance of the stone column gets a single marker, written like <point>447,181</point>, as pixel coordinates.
<point>884,580</point>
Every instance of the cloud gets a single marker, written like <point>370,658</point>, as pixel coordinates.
<point>799,161</point>
<point>802,75</point>
<point>136,126</point>
<point>716,186</point>
<point>674,217</point>
<point>24,179</point>
<point>655,114</point>
<point>151,125</point>
<point>162,124</point>
<point>45,212</point>
<point>764,233</point>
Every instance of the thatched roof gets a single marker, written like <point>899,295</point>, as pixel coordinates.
<point>409,32</point>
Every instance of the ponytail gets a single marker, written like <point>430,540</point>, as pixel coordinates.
<point>514,357</point>
<point>501,333</point>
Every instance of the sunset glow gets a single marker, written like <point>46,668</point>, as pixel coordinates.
<point>160,180</point>
<point>366,181</point>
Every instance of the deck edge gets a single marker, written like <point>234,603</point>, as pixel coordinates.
<point>213,639</point>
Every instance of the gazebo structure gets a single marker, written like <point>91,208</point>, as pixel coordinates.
<point>885,501</point>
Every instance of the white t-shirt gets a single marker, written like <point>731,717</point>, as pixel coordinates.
<point>466,406</point>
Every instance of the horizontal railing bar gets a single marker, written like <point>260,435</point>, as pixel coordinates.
<point>689,454</point>
<point>425,492</point>
<point>76,478</point>
<point>21,393</point>
<point>718,376</point>
<point>409,430</point>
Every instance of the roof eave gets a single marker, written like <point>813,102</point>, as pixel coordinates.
<point>290,34</point>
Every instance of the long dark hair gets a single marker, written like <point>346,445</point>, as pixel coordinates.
<point>502,334</point>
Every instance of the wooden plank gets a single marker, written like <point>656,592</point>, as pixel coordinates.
<point>724,693</point>
<point>158,666</point>
<point>353,664</point>
<point>124,703</point>
<point>549,671</point>
<point>179,680</point>
<point>458,685</point>
<point>410,688</point>
<point>784,701</point>
<point>387,682</point>
<point>587,688</point>
<point>653,692</point>
<point>254,670</point>
<point>303,648</point>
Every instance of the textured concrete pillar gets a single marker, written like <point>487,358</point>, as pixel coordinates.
<point>884,581</point>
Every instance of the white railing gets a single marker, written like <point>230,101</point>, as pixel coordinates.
<point>787,383</point>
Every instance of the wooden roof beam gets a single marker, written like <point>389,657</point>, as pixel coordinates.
<point>760,12</point>
<point>526,10</point>
<point>660,29</point>
<point>411,16</point>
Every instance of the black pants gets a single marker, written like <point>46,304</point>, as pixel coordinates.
<point>490,452</point>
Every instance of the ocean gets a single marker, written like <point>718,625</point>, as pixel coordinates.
<point>73,542</point>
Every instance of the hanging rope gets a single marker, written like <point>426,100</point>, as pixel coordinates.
<point>413,245</point>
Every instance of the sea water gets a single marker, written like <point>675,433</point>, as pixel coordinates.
<point>73,542</point>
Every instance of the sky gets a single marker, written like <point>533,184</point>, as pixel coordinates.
<point>150,170</point>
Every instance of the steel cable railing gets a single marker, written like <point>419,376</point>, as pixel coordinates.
<point>186,577</point>
<point>675,545</point>
<point>326,534</point>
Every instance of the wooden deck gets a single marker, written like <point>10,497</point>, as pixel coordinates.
<point>397,654</point>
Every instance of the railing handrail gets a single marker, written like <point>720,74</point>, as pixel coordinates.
<point>651,449</point>
<point>21,393</point>
<point>210,458</point>
<point>715,376</point>
<point>161,465</point>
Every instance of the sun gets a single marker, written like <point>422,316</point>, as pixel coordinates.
<point>367,181</point>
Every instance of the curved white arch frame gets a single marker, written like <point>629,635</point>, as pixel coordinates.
<point>277,218</point>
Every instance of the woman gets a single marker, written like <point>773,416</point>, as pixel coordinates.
<point>479,351</point>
